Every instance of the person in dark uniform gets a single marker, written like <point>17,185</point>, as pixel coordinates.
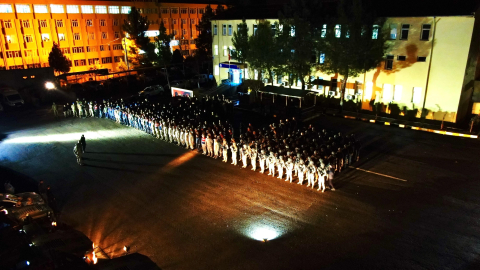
<point>83,142</point>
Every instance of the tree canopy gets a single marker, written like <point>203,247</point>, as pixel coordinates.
<point>57,60</point>
<point>262,54</point>
<point>136,26</point>
<point>162,46</point>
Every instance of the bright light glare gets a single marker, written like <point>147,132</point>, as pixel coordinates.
<point>69,137</point>
<point>49,85</point>
<point>262,233</point>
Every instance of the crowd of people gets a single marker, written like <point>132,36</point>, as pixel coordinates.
<point>285,150</point>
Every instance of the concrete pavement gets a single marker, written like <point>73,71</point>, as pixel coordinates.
<point>188,211</point>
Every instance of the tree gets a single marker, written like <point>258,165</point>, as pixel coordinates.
<point>136,26</point>
<point>162,45</point>
<point>353,43</point>
<point>262,54</point>
<point>240,43</point>
<point>204,38</point>
<point>177,57</point>
<point>220,9</point>
<point>57,60</point>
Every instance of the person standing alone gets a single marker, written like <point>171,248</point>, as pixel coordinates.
<point>77,150</point>
<point>83,142</point>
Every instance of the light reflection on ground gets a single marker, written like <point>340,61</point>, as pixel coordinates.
<point>68,137</point>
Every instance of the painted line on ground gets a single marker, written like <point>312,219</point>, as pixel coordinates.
<point>381,174</point>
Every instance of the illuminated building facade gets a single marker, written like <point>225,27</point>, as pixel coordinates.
<point>431,63</point>
<point>88,32</point>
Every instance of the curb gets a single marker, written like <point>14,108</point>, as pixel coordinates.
<point>442,132</point>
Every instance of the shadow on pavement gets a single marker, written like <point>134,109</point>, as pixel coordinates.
<point>21,182</point>
<point>114,169</point>
<point>133,154</point>
<point>130,261</point>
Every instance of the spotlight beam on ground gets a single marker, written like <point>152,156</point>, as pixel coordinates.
<point>69,137</point>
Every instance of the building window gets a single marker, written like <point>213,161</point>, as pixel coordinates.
<point>77,49</point>
<point>230,29</point>
<point>7,23</point>
<point>89,23</point>
<point>164,10</point>
<point>225,51</point>
<point>174,21</point>
<point>42,23</point>
<point>74,23</point>
<point>118,59</point>
<point>215,30</point>
<point>224,29</point>
<point>425,32</point>
<point>59,23</point>
<point>397,93</point>
<point>192,41</point>
<point>92,61</point>
<point>40,9</point>
<point>387,94</point>
<point>201,11</point>
<point>393,31</point>
<point>28,38</point>
<point>149,11</point>
<point>417,95</point>
<point>22,8</point>
<point>126,10</point>
<point>421,59</point>
<point>404,33</point>
<point>87,9</point>
<point>114,9</point>
<point>115,22</point>
<point>91,36</point>
<point>73,9</point>
<point>192,21</point>
<point>215,52</point>
<point>6,8</point>
<point>103,23</point>
<point>193,11</point>
<point>401,58</point>
<point>216,70</point>
<point>183,11</point>
<point>76,36</point>
<point>140,10</point>
<point>13,54</point>
<point>375,32</point>
<point>26,23</point>
<point>184,21</point>
<point>321,58</point>
<point>104,48</point>
<point>338,30</point>
<point>10,39</point>
<point>61,37</point>
<point>104,35</point>
<point>80,63</point>
<point>184,32</point>
<point>255,27</point>
<point>174,10</point>
<point>116,34</point>
<point>101,9</point>
<point>65,50</point>
<point>56,8</point>
<point>106,60</point>
<point>28,53</point>
<point>45,37</point>
<point>117,47</point>
<point>91,48</point>
<point>389,62</point>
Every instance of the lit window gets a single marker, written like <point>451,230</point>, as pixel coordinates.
<point>90,23</point>
<point>152,33</point>
<point>115,22</point>
<point>397,94</point>
<point>321,58</point>
<point>393,31</point>
<point>59,23</point>
<point>73,9</point>
<point>375,32</point>
<point>22,8</point>
<point>103,23</point>
<point>114,9</point>
<point>6,8</point>
<point>404,33</point>
<point>42,23</point>
<point>387,93</point>
<point>126,10</point>
<point>225,53</point>
<point>61,37</point>
<point>26,23</point>
<point>216,50</point>
<point>255,27</point>
<point>7,23</point>
<point>87,9</point>
<point>76,36</point>
<point>338,30</point>
<point>74,23</point>
<point>56,8</point>
<point>217,70</point>
<point>417,95</point>
<point>40,8</point>
<point>104,35</point>
<point>10,39</point>
<point>101,9</point>
<point>28,38</point>
<point>324,31</point>
<point>292,31</point>
<point>368,91</point>
<point>45,37</point>
<point>425,32</point>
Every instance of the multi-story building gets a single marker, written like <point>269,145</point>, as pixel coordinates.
<point>88,32</point>
<point>431,63</point>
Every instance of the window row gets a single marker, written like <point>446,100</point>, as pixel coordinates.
<point>389,60</point>
<point>393,93</point>
<point>72,9</point>
<point>182,21</point>
<point>182,10</point>
<point>58,23</point>
<point>405,31</point>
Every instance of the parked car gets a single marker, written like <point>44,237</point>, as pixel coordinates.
<point>11,97</point>
<point>151,91</point>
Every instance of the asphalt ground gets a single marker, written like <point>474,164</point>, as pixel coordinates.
<point>412,203</point>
